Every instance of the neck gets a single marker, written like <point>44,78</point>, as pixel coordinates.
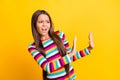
<point>45,37</point>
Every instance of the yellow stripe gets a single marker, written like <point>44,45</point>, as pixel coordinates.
<point>39,58</point>
<point>32,50</point>
<point>51,49</point>
<point>62,69</point>
<point>72,75</point>
<point>44,41</point>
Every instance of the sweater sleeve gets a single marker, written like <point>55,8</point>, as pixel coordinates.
<point>44,63</point>
<point>79,54</point>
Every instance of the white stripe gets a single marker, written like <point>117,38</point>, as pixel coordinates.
<point>41,61</point>
<point>31,46</point>
<point>87,51</point>
<point>59,75</point>
<point>61,34</point>
<point>58,63</point>
<point>71,67</point>
<point>68,58</point>
<point>69,50</point>
<point>35,54</point>
<point>79,55</point>
<point>51,41</point>
<point>48,68</point>
<point>51,54</point>
<point>65,41</point>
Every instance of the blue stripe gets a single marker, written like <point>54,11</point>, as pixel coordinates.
<point>66,58</point>
<point>54,50</point>
<point>69,50</point>
<point>78,55</point>
<point>48,41</point>
<point>65,41</point>
<point>61,34</point>
<point>56,63</point>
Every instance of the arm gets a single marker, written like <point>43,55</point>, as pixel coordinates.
<point>79,54</point>
<point>46,65</point>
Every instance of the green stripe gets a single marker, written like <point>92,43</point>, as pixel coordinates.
<point>35,51</point>
<point>73,77</point>
<point>40,60</point>
<point>51,51</point>
<point>60,34</point>
<point>86,51</point>
<point>78,55</point>
<point>66,59</point>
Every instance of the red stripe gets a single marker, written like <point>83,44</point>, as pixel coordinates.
<point>50,46</point>
<point>61,62</point>
<point>57,32</point>
<point>37,56</point>
<point>51,67</point>
<point>82,53</point>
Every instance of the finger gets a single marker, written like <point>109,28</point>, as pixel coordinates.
<point>90,36</point>
<point>74,44</point>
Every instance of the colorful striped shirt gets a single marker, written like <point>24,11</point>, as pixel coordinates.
<point>54,63</point>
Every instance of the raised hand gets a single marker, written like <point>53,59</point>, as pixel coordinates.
<point>91,43</point>
<point>73,48</point>
<point>74,45</point>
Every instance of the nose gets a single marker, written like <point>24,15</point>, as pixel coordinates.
<point>44,24</point>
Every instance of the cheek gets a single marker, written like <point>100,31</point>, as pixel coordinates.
<point>38,28</point>
<point>48,25</point>
<point>38,25</point>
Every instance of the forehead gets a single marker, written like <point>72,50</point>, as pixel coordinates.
<point>43,17</point>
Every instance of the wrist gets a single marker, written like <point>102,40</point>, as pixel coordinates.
<point>89,48</point>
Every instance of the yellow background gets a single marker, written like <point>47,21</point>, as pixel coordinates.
<point>73,17</point>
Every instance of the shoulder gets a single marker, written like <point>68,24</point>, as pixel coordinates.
<point>60,34</point>
<point>32,44</point>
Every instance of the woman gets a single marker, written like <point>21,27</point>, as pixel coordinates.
<point>51,50</point>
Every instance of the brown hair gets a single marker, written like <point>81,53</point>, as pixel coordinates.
<point>52,34</point>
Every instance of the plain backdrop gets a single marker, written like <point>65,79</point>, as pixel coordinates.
<point>73,17</point>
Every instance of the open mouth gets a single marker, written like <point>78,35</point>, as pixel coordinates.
<point>44,30</point>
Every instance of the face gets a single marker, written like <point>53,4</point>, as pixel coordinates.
<point>43,25</point>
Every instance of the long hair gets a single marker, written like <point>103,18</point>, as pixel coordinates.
<point>37,38</point>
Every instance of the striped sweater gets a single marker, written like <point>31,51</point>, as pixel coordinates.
<point>54,63</point>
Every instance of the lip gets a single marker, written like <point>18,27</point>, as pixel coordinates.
<point>44,30</point>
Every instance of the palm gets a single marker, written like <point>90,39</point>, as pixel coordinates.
<point>73,48</point>
<point>74,45</point>
<point>91,43</point>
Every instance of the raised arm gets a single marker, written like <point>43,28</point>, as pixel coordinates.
<point>81,53</point>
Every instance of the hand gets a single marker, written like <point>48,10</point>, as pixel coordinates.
<point>91,43</point>
<point>73,48</point>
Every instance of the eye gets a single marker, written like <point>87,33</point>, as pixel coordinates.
<point>40,21</point>
<point>48,21</point>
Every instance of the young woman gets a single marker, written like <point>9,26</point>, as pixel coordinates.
<point>51,50</point>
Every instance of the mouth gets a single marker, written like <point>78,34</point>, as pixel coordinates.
<point>44,30</point>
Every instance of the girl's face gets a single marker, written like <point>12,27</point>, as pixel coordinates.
<point>43,25</point>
